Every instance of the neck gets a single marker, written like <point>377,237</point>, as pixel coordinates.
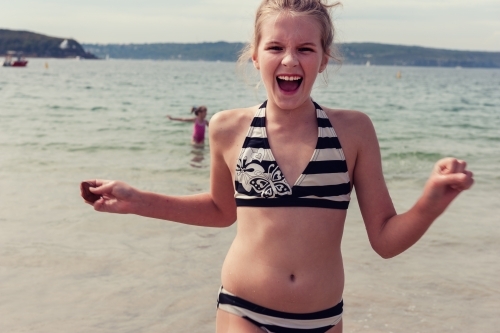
<point>302,114</point>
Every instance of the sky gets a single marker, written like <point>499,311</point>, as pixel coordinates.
<point>451,24</point>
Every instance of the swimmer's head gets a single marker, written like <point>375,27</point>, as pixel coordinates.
<point>319,10</point>
<point>199,110</point>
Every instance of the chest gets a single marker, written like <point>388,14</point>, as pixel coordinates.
<point>293,150</point>
<point>301,167</point>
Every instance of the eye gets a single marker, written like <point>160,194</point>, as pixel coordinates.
<point>305,49</point>
<point>274,48</point>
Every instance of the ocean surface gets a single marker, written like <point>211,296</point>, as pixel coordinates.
<point>65,268</point>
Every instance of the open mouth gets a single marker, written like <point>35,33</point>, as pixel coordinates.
<point>289,83</point>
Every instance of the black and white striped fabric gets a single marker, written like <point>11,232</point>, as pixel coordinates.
<point>259,181</point>
<point>273,321</point>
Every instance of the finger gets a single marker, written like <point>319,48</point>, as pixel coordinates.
<point>100,182</point>
<point>442,166</point>
<point>450,165</point>
<point>96,182</point>
<point>447,165</point>
<point>457,181</point>
<point>99,205</point>
<point>107,205</point>
<point>451,179</point>
<point>105,187</point>
<point>469,180</point>
<point>460,166</point>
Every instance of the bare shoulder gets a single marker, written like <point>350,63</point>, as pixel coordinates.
<point>354,130</point>
<point>230,123</point>
<point>347,117</point>
<point>228,130</point>
<point>352,124</point>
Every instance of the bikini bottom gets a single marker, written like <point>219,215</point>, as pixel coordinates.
<point>273,321</point>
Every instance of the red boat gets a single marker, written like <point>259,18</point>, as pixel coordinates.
<point>19,60</point>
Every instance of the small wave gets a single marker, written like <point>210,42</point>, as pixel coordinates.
<point>28,144</point>
<point>395,106</point>
<point>465,126</point>
<point>135,148</point>
<point>126,84</point>
<point>65,107</point>
<point>94,148</point>
<point>465,101</point>
<point>417,155</point>
<point>117,129</point>
<point>456,109</point>
<point>99,108</point>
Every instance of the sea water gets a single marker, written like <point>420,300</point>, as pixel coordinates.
<point>66,268</point>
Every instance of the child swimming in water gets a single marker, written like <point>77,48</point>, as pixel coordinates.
<point>285,169</point>
<point>199,121</point>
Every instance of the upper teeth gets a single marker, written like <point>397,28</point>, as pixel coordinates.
<point>289,78</point>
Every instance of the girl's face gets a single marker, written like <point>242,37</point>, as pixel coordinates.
<point>289,57</point>
<point>202,114</point>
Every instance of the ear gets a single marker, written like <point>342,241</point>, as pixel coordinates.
<point>255,61</point>
<point>324,62</point>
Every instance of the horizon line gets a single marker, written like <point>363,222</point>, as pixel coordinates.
<point>338,43</point>
<point>222,41</point>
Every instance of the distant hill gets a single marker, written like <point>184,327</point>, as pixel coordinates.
<point>217,51</point>
<point>36,45</point>
<point>398,55</point>
<point>353,53</point>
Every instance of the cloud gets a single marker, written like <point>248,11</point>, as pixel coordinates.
<point>443,24</point>
<point>455,24</point>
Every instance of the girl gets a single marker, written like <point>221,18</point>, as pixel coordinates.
<point>199,124</point>
<point>285,169</point>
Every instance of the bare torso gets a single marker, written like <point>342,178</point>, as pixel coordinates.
<point>287,258</point>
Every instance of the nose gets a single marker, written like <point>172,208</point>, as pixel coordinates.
<point>290,59</point>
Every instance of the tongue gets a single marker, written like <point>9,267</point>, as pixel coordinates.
<point>289,85</point>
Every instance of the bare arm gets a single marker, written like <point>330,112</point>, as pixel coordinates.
<point>214,209</point>
<point>391,234</point>
<point>187,120</point>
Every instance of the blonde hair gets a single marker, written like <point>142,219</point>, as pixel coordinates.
<point>318,9</point>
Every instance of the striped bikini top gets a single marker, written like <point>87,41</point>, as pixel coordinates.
<point>259,181</point>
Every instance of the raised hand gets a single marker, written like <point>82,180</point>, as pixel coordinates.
<point>448,179</point>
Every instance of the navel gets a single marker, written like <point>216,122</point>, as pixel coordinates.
<point>292,277</point>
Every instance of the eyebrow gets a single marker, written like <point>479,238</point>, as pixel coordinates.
<point>309,44</point>
<point>271,42</point>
